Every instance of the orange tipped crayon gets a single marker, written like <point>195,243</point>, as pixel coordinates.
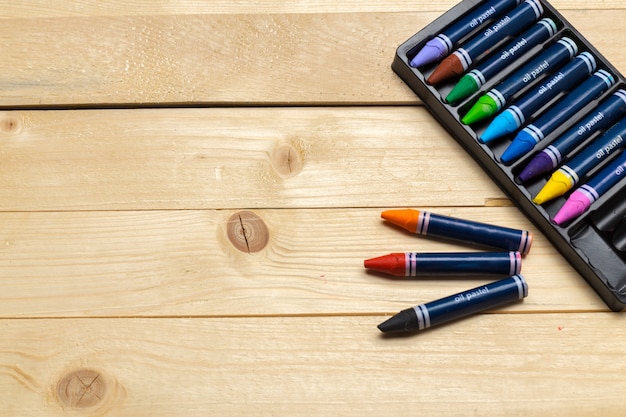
<point>475,233</point>
<point>412,264</point>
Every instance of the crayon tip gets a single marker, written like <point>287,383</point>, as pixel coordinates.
<point>394,264</point>
<point>404,218</point>
<point>485,107</point>
<point>466,86</point>
<point>404,321</point>
<point>503,124</point>
<point>539,165</point>
<point>433,51</point>
<point>448,68</point>
<point>558,184</point>
<point>575,205</point>
<point>521,145</point>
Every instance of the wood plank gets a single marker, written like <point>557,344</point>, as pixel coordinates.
<point>181,263</point>
<point>251,59</point>
<point>203,59</point>
<point>516,364</point>
<point>233,158</point>
<point>42,8</point>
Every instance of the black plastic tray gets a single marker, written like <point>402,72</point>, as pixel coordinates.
<point>586,246</point>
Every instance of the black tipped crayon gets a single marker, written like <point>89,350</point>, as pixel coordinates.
<point>456,306</point>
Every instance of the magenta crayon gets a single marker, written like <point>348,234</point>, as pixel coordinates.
<point>585,195</point>
<point>442,44</point>
<point>417,264</point>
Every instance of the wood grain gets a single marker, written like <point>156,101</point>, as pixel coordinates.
<point>133,133</point>
<point>164,263</point>
<point>42,8</point>
<point>515,364</point>
<point>233,158</point>
<point>250,59</point>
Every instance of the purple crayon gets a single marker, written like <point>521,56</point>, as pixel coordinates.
<point>602,117</point>
<point>441,45</point>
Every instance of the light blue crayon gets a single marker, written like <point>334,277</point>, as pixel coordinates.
<point>602,117</point>
<point>565,109</point>
<point>565,79</point>
<point>441,45</point>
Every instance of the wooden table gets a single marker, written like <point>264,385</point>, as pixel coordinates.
<point>187,195</point>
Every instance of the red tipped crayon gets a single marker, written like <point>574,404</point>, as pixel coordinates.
<point>412,264</point>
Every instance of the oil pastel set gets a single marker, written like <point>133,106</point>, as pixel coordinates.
<point>543,112</point>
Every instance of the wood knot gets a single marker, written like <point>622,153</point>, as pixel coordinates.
<point>287,160</point>
<point>82,388</point>
<point>247,232</point>
<point>10,124</point>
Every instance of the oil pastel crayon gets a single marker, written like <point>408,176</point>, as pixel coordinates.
<point>495,99</point>
<point>510,24</point>
<point>508,55</point>
<point>471,232</point>
<point>558,114</point>
<point>414,264</point>
<point>585,195</point>
<point>441,45</point>
<point>568,175</point>
<point>515,115</point>
<point>456,306</point>
<point>602,117</point>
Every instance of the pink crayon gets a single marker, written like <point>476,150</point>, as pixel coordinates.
<point>581,199</point>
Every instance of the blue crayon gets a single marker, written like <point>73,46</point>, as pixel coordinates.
<point>509,25</point>
<point>515,115</point>
<point>546,62</point>
<point>562,111</point>
<point>566,177</point>
<point>441,45</point>
<point>475,233</point>
<point>456,306</point>
<point>584,196</point>
<point>508,55</point>
<point>603,116</point>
